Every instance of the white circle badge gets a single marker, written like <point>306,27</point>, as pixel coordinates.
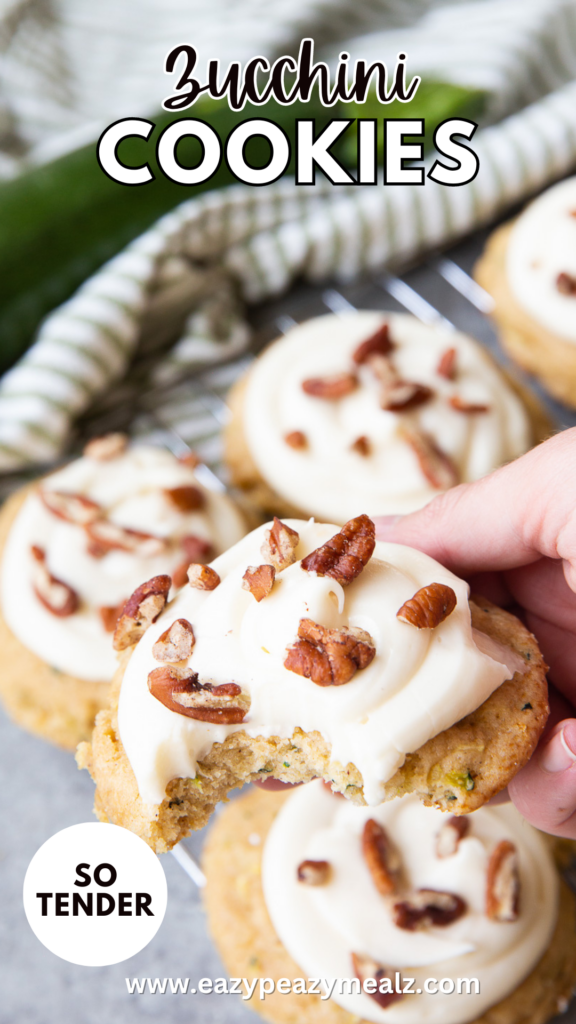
<point>95,894</point>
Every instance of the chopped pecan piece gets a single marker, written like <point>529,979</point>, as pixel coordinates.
<point>428,907</point>
<point>186,498</point>
<point>59,598</point>
<point>449,836</point>
<point>191,459</point>
<point>140,611</point>
<point>378,343</point>
<point>259,580</point>
<point>202,701</point>
<point>436,466</point>
<point>366,969</point>
<point>344,556</point>
<point>313,872</point>
<point>429,606</point>
<point>336,386</point>
<point>329,657</point>
<point>279,546</point>
<point>105,448</point>
<point>566,283</point>
<point>447,364</point>
<point>110,614</point>
<point>202,577</point>
<point>362,446</point>
<point>196,548</point>
<point>180,574</point>
<point>73,508</point>
<point>105,536</point>
<point>503,883</point>
<point>296,439</point>
<point>381,857</point>
<point>176,642</point>
<point>461,405</point>
<point>397,395</point>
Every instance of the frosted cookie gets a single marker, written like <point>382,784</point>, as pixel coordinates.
<point>295,891</point>
<point>529,269</point>
<point>300,653</point>
<point>73,548</point>
<point>372,412</point>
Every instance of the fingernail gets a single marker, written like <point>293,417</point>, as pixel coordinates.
<point>557,755</point>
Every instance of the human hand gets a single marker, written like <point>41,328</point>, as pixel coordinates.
<point>512,535</point>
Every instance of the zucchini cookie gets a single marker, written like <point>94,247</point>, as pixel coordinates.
<point>73,548</point>
<point>372,411</point>
<point>307,886</point>
<point>529,269</point>
<point>302,652</point>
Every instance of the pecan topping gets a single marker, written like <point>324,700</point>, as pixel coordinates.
<point>105,448</point>
<point>429,606</point>
<point>296,439</point>
<point>176,642</point>
<point>186,498</point>
<point>449,836</point>
<point>313,872</point>
<point>140,611</point>
<point>73,508</point>
<point>447,364</point>
<point>202,577</point>
<point>366,969</point>
<point>54,594</point>
<point>196,550</point>
<point>397,395</point>
<point>279,546</point>
<point>105,536</point>
<point>566,283</point>
<point>329,657</point>
<point>428,907</point>
<point>344,556</point>
<point>503,883</point>
<point>202,701</point>
<point>259,580</point>
<point>336,386</point>
<point>110,614</point>
<point>378,343</point>
<point>381,857</point>
<point>436,466</point>
<point>191,459</point>
<point>362,446</point>
<point>461,405</point>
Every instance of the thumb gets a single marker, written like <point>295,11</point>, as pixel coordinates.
<point>544,791</point>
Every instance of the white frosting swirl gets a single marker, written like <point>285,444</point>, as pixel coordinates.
<point>541,246</point>
<point>330,480</point>
<point>321,926</point>
<point>419,683</point>
<point>130,489</point>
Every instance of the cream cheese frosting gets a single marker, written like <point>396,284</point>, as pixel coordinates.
<point>332,480</point>
<point>321,926</point>
<point>130,488</point>
<point>419,683</point>
<point>542,246</point>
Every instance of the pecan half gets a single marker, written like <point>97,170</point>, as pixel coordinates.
<point>110,614</point>
<point>378,343</point>
<point>397,395</point>
<point>73,508</point>
<point>202,701</point>
<point>428,907</point>
<point>381,857</point>
<point>176,642</point>
<point>296,439</point>
<point>366,969</point>
<point>105,536</point>
<point>140,611</point>
<point>186,498</point>
<point>436,466</point>
<point>362,446</point>
<point>566,283</point>
<point>336,386</point>
<point>313,872</point>
<point>59,598</point>
<point>503,883</point>
<point>202,577</point>
<point>279,545</point>
<point>449,836</point>
<point>447,364</point>
<point>344,556</point>
<point>259,580</point>
<point>429,606</point>
<point>329,657</point>
<point>105,448</point>
<point>461,405</point>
